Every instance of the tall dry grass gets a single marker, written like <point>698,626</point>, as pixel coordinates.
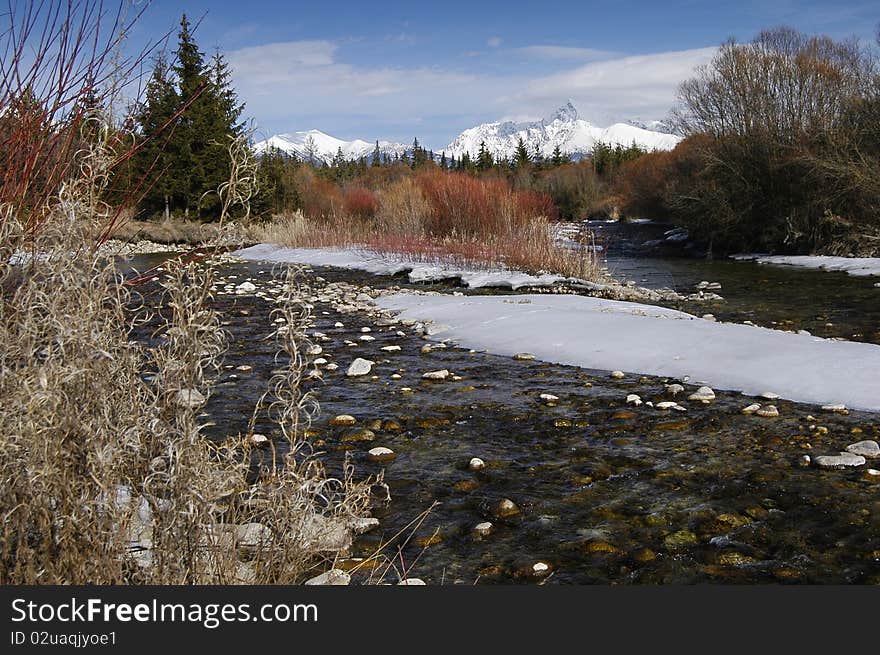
<point>106,475</point>
<point>448,218</point>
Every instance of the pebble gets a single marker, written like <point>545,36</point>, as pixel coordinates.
<point>669,404</point>
<point>540,568</point>
<point>390,349</point>
<point>314,350</point>
<point>331,366</point>
<point>768,411</point>
<point>769,395</point>
<point>839,461</point>
<point>483,529</point>
<point>244,368</point>
<point>476,464</point>
<point>618,375</point>
<point>837,408</point>
<point>804,460</point>
<point>411,582</point>
<point>869,449</point>
<point>245,287</point>
<point>343,420</point>
<point>751,409</point>
<point>357,435</point>
<point>436,375</point>
<point>258,439</point>
<point>320,361</point>
<point>674,389</point>
<point>381,454</point>
<point>191,398</point>
<point>366,329</point>
<point>703,394</point>
<point>335,577</point>
<point>548,397</point>
<point>505,508</point>
<point>366,337</point>
<point>359,367</point>
<point>524,357</point>
<point>633,399</point>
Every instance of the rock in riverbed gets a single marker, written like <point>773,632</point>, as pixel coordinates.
<point>843,460</point>
<point>867,448</point>
<point>436,375</point>
<point>359,367</point>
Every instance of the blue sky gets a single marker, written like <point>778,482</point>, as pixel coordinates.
<point>394,70</point>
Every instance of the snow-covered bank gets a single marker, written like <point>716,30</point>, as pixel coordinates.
<point>607,334</point>
<point>387,264</point>
<point>851,265</point>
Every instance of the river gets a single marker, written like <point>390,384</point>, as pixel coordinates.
<point>606,493</point>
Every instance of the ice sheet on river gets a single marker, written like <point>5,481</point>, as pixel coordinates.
<point>610,335</point>
<point>851,265</point>
<point>388,264</point>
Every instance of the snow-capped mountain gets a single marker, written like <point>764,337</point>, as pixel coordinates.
<point>563,128</point>
<point>323,147</point>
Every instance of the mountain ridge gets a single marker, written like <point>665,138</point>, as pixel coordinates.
<point>563,128</point>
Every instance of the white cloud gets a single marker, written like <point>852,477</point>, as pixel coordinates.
<point>301,85</point>
<point>564,52</point>
<point>494,42</point>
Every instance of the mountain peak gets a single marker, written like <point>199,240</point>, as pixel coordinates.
<point>566,113</point>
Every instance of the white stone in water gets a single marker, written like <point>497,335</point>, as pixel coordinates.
<point>768,411</point>
<point>359,367</point>
<point>335,577</point>
<point>618,375</point>
<point>245,287</point>
<point>320,361</point>
<point>343,419</point>
<point>540,568</point>
<point>868,448</point>
<point>674,389</point>
<point>708,317</point>
<point>751,409</point>
<point>396,376</point>
<point>244,368</point>
<point>804,460</point>
<point>390,349</point>
<point>483,529</point>
<point>362,525</point>
<point>258,439</point>
<point>549,397</point>
<point>367,337</point>
<point>436,375</point>
<point>411,582</point>
<point>331,366</point>
<point>380,454</point>
<point>669,404</point>
<point>769,395</point>
<point>314,350</point>
<point>837,408</point>
<point>839,461</point>
<point>704,394</point>
<point>191,398</point>
<point>524,357</point>
<point>337,324</point>
<point>476,464</point>
<point>365,330</point>
<point>633,399</point>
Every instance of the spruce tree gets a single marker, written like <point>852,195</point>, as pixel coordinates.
<point>522,154</point>
<point>484,158</point>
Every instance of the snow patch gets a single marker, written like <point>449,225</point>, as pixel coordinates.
<point>851,265</point>
<point>607,334</point>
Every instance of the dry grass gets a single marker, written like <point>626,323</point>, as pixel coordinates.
<point>445,218</point>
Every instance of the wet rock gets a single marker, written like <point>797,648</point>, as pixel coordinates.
<point>633,399</point>
<point>505,508</point>
<point>871,475</point>
<point>703,394</point>
<point>314,350</point>
<point>390,425</point>
<point>869,449</point>
<point>751,409</point>
<point>343,420</point>
<point>359,367</point>
<point>548,398</point>
<point>524,357</point>
<point>680,539</point>
<point>674,389</point>
<point>362,525</point>
<point>618,375</point>
<point>804,461</point>
<point>411,582</point>
<point>436,375</point>
<point>381,454</point>
<point>476,464</point>
<point>769,395</point>
<point>840,461</point>
<point>245,287</point>
<point>837,408</point>
<point>623,415</point>
<point>483,529</point>
<point>768,411</point>
<point>258,440</point>
<point>669,404</point>
<point>359,435</point>
<point>191,398</point>
<point>540,569</point>
<point>334,577</point>
<point>599,547</point>
<point>644,555</point>
<point>390,349</point>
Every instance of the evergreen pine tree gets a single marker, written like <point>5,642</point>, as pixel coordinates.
<point>377,155</point>
<point>522,154</point>
<point>484,158</point>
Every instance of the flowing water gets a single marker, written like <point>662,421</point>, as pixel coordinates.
<point>606,493</point>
